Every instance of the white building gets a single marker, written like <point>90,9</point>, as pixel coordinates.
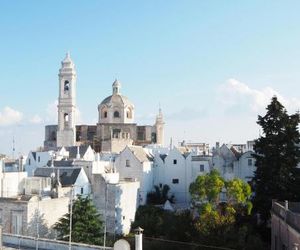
<point>223,160</point>
<point>66,179</point>
<point>245,167</point>
<point>37,159</point>
<point>11,183</point>
<point>136,163</point>
<point>116,200</point>
<point>178,168</point>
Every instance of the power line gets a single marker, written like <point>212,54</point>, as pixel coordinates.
<point>189,243</point>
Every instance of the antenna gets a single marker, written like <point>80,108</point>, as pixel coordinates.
<point>13,149</point>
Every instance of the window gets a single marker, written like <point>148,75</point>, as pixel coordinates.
<point>116,114</point>
<point>123,217</point>
<point>129,114</point>
<point>105,114</point>
<point>201,168</point>
<point>66,87</point>
<point>29,161</point>
<point>116,133</point>
<point>81,190</point>
<point>66,119</point>
<point>174,161</point>
<point>175,181</point>
<point>249,162</point>
<point>127,163</point>
<point>39,159</point>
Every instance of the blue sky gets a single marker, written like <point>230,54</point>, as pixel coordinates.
<point>212,65</point>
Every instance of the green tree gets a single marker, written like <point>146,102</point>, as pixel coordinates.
<point>207,188</point>
<point>217,220</point>
<point>238,195</point>
<point>277,155</point>
<point>87,226</point>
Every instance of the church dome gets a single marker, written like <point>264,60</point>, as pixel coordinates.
<point>116,108</point>
<point>117,98</point>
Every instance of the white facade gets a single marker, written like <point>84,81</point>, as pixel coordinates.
<point>133,164</point>
<point>66,133</point>
<point>178,169</point>
<point>126,205</point>
<point>245,167</point>
<point>11,183</point>
<point>223,160</point>
<point>82,185</point>
<point>116,201</point>
<point>37,159</point>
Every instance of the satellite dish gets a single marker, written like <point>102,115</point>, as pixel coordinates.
<point>121,245</point>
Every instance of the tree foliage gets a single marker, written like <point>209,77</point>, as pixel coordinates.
<point>157,222</point>
<point>277,155</point>
<point>207,187</point>
<point>217,220</point>
<point>37,227</point>
<point>87,226</point>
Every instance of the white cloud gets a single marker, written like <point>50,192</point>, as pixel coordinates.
<point>238,95</point>
<point>36,119</point>
<point>9,116</point>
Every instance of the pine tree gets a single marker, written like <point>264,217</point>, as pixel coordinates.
<point>87,226</point>
<point>277,154</point>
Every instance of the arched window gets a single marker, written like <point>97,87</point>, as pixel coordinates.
<point>105,114</point>
<point>66,119</point>
<point>116,114</point>
<point>66,86</point>
<point>129,113</point>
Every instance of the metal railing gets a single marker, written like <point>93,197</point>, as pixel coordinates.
<point>291,218</point>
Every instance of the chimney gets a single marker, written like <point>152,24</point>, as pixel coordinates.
<point>139,238</point>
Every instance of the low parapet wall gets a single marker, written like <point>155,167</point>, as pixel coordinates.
<point>45,244</point>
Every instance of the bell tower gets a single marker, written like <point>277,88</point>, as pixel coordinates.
<point>159,126</point>
<point>66,131</point>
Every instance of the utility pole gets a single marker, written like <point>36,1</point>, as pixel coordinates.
<point>105,205</point>
<point>37,219</point>
<point>71,210</point>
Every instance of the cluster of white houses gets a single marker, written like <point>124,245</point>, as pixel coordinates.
<point>115,162</point>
